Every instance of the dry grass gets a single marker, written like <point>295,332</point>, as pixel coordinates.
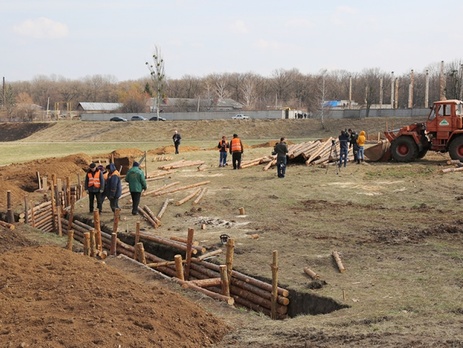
<point>396,226</point>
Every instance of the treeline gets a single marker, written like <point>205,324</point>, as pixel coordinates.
<point>284,88</point>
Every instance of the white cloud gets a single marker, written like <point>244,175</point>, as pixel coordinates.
<point>299,23</point>
<point>239,27</point>
<point>41,28</point>
<point>266,44</point>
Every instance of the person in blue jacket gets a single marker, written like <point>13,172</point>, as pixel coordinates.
<point>113,187</point>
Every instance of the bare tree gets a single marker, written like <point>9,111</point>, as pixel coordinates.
<point>158,77</point>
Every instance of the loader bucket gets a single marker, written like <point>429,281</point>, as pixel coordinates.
<point>380,152</point>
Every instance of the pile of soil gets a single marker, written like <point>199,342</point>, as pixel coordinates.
<point>52,297</point>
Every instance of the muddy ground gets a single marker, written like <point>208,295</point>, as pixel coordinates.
<point>396,226</point>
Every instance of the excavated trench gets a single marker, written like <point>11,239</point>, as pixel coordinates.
<point>301,303</point>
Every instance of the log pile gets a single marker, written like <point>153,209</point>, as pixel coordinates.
<point>181,164</point>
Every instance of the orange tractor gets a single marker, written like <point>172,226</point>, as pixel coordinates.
<point>442,132</point>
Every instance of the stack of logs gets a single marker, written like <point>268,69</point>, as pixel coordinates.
<point>312,153</point>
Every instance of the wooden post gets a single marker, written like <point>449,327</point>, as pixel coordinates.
<point>141,253</point>
<point>26,210</point>
<point>58,210</point>
<point>242,212</point>
<point>225,282</point>
<point>9,214</point>
<point>44,183</point>
<point>68,191</point>
<point>38,180</point>
<point>189,245</point>
<point>137,240</point>
<point>229,257</point>
<point>70,239</point>
<point>53,209</point>
<point>179,267</point>
<point>87,243</point>
<point>32,217</point>
<point>137,232</point>
<point>274,298</point>
<point>96,224</point>
<point>117,217</point>
<point>92,243</point>
<point>71,211</point>
<point>337,258</point>
<point>113,249</point>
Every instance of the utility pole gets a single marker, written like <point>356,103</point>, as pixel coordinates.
<point>392,90</point>
<point>426,90</point>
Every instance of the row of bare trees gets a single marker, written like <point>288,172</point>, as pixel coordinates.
<point>284,88</point>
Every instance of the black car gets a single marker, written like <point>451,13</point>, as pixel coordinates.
<point>118,119</point>
<point>155,118</point>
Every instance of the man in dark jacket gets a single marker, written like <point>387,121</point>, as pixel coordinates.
<point>344,146</point>
<point>176,138</point>
<point>236,150</point>
<point>281,150</point>
<point>353,143</point>
<point>137,184</point>
<point>113,187</point>
<point>94,185</point>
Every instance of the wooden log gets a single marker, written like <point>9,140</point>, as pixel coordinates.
<point>183,240</point>
<point>113,248</point>
<point>171,243</point>
<point>151,215</point>
<point>189,245</point>
<point>209,254</point>
<point>162,264</point>
<point>165,187</point>
<point>449,170</point>
<point>71,211</point>
<point>204,283</point>
<point>187,198</point>
<point>200,196</point>
<point>274,267</point>
<point>70,239</point>
<point>338,260</point>
<point>229,256</point>
<point>7,225</point>
<point>97,227</point>
<point>247,279</point>
<point>163,208</point>
<point>182,188</point>
<point>117,218</point>
<point>87,243</point>
<point>214,295</point>
<point>9,206</point>
<point>147,217</point>
<point>311,273</point>
<point>181,164</point>
<point>270,164</point>
<point>179,267</point>
<point>225,281</point>
<point>315,154</point>
<point>92,243</point>
<point>141,253</point>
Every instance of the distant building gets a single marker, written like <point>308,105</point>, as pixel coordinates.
<point>98,108</point>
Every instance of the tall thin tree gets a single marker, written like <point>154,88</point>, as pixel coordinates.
<point>158,77</point>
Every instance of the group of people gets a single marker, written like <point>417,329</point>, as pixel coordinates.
<point>347,139</point>
<point>101,183</point>
<point>234,147</point>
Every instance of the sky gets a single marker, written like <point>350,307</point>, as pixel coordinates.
<point>73,39</point>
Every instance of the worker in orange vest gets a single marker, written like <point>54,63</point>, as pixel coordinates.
<point>236,150</point>
<point>94,185</point>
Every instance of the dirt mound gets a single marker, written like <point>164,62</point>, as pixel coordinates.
<point>12,131</point>
<point>130,153</point>
<point>81,302</point>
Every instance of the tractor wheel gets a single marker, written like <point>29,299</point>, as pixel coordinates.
<point>404,149</point>
<point>456,149</point>
<point>422,153</point>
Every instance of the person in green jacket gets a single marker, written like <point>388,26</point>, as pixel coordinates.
<point>137,184</point>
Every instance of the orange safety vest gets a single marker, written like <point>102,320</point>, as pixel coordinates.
<point>94,180</point>
<point>235,145</point>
